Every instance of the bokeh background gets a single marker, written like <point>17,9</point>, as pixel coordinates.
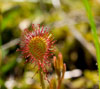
<point>68,21</point>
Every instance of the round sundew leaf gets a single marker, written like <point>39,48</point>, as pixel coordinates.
<point>36,46</point>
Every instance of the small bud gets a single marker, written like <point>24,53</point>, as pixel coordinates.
<point>54,61</point>
<point>64,70</point>
<point>60,68</point>
<point>60,61</point>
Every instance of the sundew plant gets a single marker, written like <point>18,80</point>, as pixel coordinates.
<point>36,46</point>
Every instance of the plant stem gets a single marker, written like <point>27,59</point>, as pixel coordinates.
<point>0,49</point>
<point>41,79</point>
<point>94,33</point>
<point>59,83</point>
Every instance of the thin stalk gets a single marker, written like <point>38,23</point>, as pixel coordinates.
<point>94,33</point>
<point>41,79</point>
<point>0,49</point>
<point>59,83</point>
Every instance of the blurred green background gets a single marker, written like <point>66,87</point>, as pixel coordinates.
<point>68,21</point>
